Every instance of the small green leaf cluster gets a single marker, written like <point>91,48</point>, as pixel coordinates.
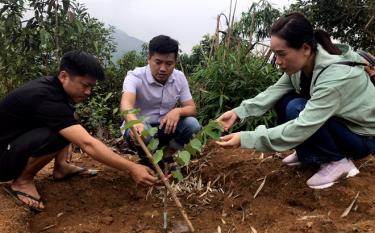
<point>212,130</point>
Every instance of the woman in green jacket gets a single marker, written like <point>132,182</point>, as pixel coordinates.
<point>328,118</point>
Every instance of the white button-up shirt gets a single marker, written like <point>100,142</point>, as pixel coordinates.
<point>154,99</point>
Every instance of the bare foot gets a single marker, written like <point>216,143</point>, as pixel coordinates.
<point>64,169</point>
<point>28,187</point>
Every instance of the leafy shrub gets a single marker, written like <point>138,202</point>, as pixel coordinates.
<point>32,41</point>
<point>228,78</point>
<point>99,114</point>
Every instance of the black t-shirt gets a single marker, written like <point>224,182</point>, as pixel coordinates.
<point>39,103</point>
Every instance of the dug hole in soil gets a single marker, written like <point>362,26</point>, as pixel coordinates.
<point>218,196</point>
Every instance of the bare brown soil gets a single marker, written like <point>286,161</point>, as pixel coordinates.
<point>218,196</point>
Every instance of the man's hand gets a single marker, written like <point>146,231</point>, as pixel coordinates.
<point>142,174</point>
<point>232,140</point>
<point>102,153</point>
<point>227,119</point>
<point>139,128</point>
<point>169,121</point>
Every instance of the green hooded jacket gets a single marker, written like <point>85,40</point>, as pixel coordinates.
<point>340,91</point>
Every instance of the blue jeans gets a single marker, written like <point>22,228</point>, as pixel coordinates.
<point>186,127</point>
<point>332,142</point>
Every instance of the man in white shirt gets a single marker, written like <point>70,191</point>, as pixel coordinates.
<point>157,89</point>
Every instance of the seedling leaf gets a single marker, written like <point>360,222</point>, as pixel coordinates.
<point>184,156</point>
<point>150,132</point>
<point>158,156</point>
<point>131,123</point>
<point>214,135</point>
<point>153,145</point>
<point>177,174</point>
<point>196,144</point>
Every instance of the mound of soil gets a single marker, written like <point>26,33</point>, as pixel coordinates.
<point>218,197</point>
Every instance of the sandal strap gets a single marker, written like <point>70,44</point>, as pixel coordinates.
<point>26,195</point>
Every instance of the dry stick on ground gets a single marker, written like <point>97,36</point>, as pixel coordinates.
<point>346,212</point>
<point>163,178</point>
<point>260,187</point>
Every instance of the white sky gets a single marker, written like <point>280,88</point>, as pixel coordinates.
<point>184,20</point>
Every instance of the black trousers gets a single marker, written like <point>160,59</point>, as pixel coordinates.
<point>34,143</point>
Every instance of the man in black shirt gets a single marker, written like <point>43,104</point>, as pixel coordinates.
<point>37,125</point>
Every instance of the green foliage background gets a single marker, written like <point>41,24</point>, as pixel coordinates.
<point>228,78</point>
<point>350,21</point>
<point>223,69</point>
<point>32,46</point>
<point>100,113</point>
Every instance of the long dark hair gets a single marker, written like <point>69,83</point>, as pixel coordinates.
<point>297,30</point>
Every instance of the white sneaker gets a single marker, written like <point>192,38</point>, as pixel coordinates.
<point>330,173</point>
<point>291,160</point>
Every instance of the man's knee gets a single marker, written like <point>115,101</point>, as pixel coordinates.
<point>191,124</point>
<point>47,142</point>
<point>35,143</point>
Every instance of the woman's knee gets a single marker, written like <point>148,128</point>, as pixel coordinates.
<point>294,107</point>
<point>281,106</point>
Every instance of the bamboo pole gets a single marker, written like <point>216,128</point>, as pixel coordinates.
<point>215,37</point>
<point>227,44</point>
<point>57,31</point>
<point>252,29</point>
<point>163,178</point>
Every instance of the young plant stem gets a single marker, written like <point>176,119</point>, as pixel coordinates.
<point>165,202</point>
<point>163,178</point>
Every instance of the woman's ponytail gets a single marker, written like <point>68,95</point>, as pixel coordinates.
<point>296,29</point>
<point>323,38</point>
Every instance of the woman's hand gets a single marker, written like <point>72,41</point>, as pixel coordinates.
<point>232,140</point>
<point>227,119</point>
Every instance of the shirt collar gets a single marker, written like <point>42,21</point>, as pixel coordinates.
<point>151,80</point>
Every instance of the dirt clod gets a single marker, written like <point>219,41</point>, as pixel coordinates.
<point>108,220</point>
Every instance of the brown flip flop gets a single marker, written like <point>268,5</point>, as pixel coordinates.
<point>14,194</point>
<point>84,172</point>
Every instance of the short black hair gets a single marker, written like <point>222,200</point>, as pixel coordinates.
<point>163,44</point>
<point>79,63</point>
